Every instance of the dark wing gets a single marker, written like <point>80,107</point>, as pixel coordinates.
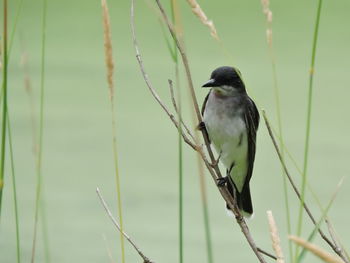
<point>251,118</point>
<point>202,111</point>
<point>204,103</point>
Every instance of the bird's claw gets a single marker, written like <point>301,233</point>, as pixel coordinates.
<point>222,181</point>
<point>201,126</point>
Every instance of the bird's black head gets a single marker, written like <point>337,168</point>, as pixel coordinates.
<point>226,78</point>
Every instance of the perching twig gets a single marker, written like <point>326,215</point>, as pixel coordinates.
<point>105,206</point>
<point>325,238</point>
<point>214,171</point>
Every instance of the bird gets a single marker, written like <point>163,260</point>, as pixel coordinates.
<point>231,120</point>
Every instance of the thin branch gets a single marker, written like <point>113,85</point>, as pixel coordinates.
<point>190,84</point>
<point>150,87</point>
<point>213,169</point>
<point>177,109</point>
<point>105,206</point>
<point>267,254</point>
<point>333,235</point>
<point>324,237</point>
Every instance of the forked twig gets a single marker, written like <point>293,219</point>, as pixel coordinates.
<point>324,237</point>
<point>105,206</point>
<point>177,109</point>
<point>150,87</point>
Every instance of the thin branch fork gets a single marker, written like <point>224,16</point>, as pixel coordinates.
<point>190,83</point>
<point>152,90</point>
<point>177,109</point>
<point>213,169</point>
<point>335,248</point>
<point>109,213</point>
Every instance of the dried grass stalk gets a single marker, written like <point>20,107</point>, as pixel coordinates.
<point>108,47</point>
<point>0,56</point>
<point>268,14</point>
<point>319,252</point>
<point>276,242</point>
<point>197,10</point>
<point>110,70</point>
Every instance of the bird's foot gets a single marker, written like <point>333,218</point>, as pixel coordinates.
<point>201,126</point>
<point>222,181</point>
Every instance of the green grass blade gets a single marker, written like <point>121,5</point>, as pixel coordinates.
<point>12,37</point>
<point>180,169</point>
<point>4,105</point>
<point>320,221</point>
<point>173,53</point>
<point>308,122</point>
<point>14,189</point>
<point>41,132</point>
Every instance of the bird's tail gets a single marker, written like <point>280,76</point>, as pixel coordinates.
<point>244,200</point>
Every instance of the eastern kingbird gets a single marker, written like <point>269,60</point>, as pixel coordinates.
<point>231,120</point>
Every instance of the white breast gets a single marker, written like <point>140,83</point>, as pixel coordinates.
<point>227,131</point>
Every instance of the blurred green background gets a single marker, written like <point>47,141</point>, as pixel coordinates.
<point>77,154</point>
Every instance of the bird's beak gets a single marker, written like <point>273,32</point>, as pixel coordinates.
<point>209,83</point>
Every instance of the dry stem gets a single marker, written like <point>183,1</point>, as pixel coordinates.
<point>325,238</point>
<point>324,255</point>
<point>276,242</point>
<point>197,10</point>
<point>105,206</point>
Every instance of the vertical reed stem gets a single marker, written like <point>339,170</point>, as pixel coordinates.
<point>308,122</point>
<point>41,132</point>
<point>4,106</point>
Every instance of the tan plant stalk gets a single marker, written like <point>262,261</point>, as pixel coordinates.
<point>319,252</point>
<point>110,71</point>
<point>108,47</point>
<point>197,10</point>
<point>276,242</point>
<point>268,14</point>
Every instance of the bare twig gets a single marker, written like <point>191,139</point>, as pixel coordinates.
<point>324,255</point>
<point>324,237</point>
<point>105,206</point>
<point>267,254</point>
<point>276,242</point>
<point>213,170</point>
<point>177,109</point>
<point>150,87</point>
<point>334,237</point>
